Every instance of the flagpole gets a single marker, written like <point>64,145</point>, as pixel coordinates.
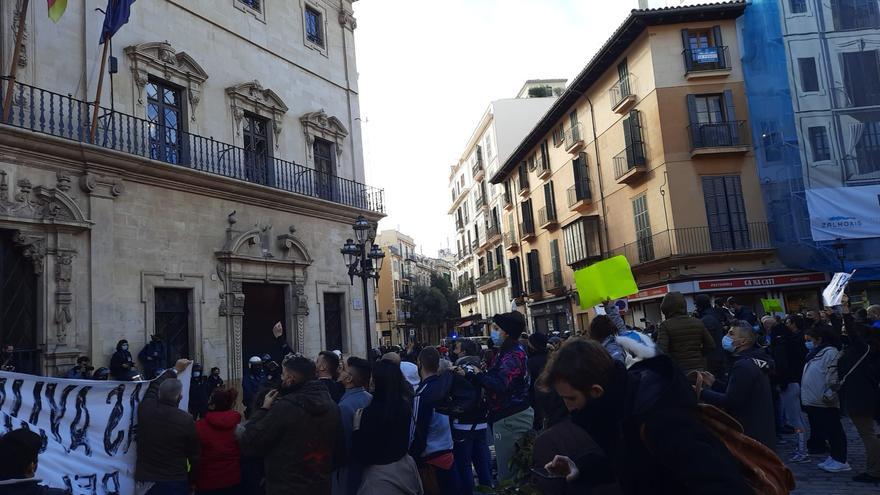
<point>10,86</point>
<point>98,93</point>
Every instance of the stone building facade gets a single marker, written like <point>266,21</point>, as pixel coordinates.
<point>224,175</point>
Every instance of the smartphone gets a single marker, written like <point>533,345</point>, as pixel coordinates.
<point>542,472</point>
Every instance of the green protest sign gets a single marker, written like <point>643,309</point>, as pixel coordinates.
<point>606,280</point>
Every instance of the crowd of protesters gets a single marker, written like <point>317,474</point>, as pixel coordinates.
<point>695,405</point>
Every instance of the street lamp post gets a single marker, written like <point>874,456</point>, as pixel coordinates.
<point>364,260</point>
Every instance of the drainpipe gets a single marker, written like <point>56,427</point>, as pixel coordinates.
<point>599,173</point>
<point>344,23</point>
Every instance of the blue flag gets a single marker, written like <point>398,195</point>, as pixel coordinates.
<point>116,16</point>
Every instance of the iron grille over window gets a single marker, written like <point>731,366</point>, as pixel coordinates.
<point>314,26</point>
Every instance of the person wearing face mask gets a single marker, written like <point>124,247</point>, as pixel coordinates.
<point>153,357</point>
<point>214,380</point>
<point>355,377</point>
<point>745,392</point>
<point>789,353</point>
<point>251,383</point>
<point>820,400</point>
<point>641,428</point>
<point>298,431</point>
<point>121,364</point>
<point>19,450</point>
<point>507,385</point>
<point>198,393</point>
<point>168,445</point>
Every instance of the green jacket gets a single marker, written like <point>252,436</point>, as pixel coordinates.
<point>684,338</point>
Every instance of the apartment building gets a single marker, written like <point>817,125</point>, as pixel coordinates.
<point>645,155</point>
<point>481,281</point>
<point>224,174</point>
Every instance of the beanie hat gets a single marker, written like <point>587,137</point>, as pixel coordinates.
<point>513,323</point>
<point>538,340</point>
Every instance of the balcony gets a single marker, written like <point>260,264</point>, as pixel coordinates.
<point>863,168</point>
<point>710,61</point>
<point>533,286</point>
<point>492,279</point>
<point>867,96</point>
<point>459,226</point>
<point>579,195</point>
<point>506,202</point>
<point>480,201</point>
<point>572,139</point>
<point>718,138</point>
<point>405,293</point>
<point>542,166</point>
<point>493,233</point>
<point>474,245</point>
<point>527,229</point>
<point>61,116</point>
<point>478,170</point>
<point>523,183</point>
<point>547,218</point>
<point>511,241</point>
<point>463,255</point>
<point>629,164</point>
<point>553,282</point>
<point>466,290</point>
<point>623,95</point>
<point>696,241</point>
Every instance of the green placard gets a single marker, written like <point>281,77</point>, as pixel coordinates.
<point>606,280</point>
<point>772,306</point>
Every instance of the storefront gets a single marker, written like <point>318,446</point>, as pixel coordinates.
<point>551,315</point>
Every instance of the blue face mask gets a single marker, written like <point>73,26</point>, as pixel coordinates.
<point>727,343</point>
<point>810,345</point>
<point>496,336</point>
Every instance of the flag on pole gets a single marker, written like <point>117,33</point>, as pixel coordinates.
<point>56,9</point>
<point>116,16</point>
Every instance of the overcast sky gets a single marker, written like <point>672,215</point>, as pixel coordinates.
<point>427,71</point>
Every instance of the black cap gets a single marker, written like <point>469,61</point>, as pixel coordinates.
<point>513,323</point>
<point>538,340</point>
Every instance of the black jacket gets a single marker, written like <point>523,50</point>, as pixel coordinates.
<point>28,487</point>
<point>715,360</point>
<point>789,353</point>
<point>167,439</point>
<point>383,435</point>
<point>118,362</point>
<point>860,394</point>
<point>746,395</point>
<point>199,396</point>
<point>666,449</point>
<point>300,438</point>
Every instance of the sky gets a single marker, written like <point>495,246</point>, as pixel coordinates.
<point>427,71</point>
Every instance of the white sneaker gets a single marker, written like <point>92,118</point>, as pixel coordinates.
<point>836,467</point>
<point>822,464</point>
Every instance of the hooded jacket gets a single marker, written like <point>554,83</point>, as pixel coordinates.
<point>431,430</point>
<point>167,441</point>
<point>746,395</point>
<point>789,353</point>
<point>300,437</point>
<point>475,419</point>
<point>219,465</point>
<point>507,381</point>
<point>820,373</point>
<point>684,338</point>
<point>120,358</point>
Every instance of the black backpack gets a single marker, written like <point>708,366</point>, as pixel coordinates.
<point>465,400</point>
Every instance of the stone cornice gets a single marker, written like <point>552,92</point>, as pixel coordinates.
<point>132,168</point>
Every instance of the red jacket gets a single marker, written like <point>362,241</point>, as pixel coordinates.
<point>219,466</point>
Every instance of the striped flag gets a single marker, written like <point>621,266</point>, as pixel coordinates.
<point>56,9</point>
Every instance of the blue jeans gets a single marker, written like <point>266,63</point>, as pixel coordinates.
<point>169,488</point>
<point>471,448</point>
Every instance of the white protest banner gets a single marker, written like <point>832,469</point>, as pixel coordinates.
<point>833,294</point>
<point>89,428</point>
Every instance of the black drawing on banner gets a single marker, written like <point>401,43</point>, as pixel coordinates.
<point>107,480</point>
<point>16,393</point>
<point>111,446</point>
<point>38,404</point>
<point>57,412</point>
<point>2,391</point>
<point>132,426</point>
<point>78,436</point>
<point>90,486</point>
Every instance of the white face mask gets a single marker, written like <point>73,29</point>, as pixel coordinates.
<point>197,374</point>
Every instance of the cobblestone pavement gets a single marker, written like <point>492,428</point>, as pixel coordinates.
<point>813,481</point>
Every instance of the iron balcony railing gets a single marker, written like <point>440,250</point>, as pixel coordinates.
<point>45,112</point>
<point>475,244</point>
<point>865,167</point>
<point>628,159</point>
<point>623,88</point>
<point>505,199</point>
<point>466,289</point>
<point>553,280</point>
<point>694,241</point>
<point>580,191</point>
<point>546,215</point>
<point>492,275</point>
<point>718,134</point>
<point>480,200</point>
<point>523,179</point>
<point>867,96</point>
<point>534,285</point>
<point>527,228</point>
<point>463,254</point>
<point>572,136</point>
<point>706,58</point>
<point>459,225</point>
<point>405,293</point>
<point>477,168</point>
<point>492,231</point>
<point>511,239</point>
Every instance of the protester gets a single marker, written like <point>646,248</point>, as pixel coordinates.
<point>537,359</point>
<point>715,360</point>
<point>787,347</point>
<point>821,401</point>
<point>411,374</point>
<point>380,436</point>
<point>19,451</point>
<point>507,384</point>
<point>684,338</point>
<point>82,370</point>
<point>391,357</point>
<point>328,373</point>
<point>199,394</point>
<point>101,373</point>
<point>167,446</point>
<point>873,314</point>
<point>152,356</point>
<point>121,364</point>
<point>7,358</point>
<point>859,371</point>
<point>219,469</point>
<point>214,380</point>
<point>470,435</point>
<point>355,377</point>
<point>663,447</point>
<point>251,383</point>
<point>298,431</point>
<point>431,445</point>
<point>742,313</point>
<point>603,330</point>
<point>745,391</point>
